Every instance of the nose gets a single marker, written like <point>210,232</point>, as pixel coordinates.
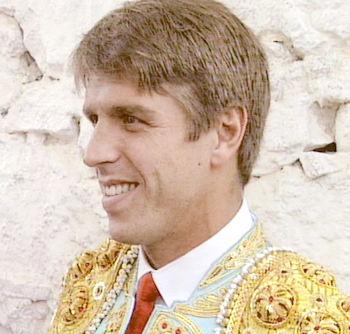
<point>102,147</point>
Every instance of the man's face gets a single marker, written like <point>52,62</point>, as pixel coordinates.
<point>156,184</point>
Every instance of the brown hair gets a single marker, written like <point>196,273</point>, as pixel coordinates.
<point>208,56</point>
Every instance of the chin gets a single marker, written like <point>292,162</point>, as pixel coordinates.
<point>124,237</point>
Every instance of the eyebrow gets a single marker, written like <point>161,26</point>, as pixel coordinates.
<point>131,110</point>
<point>123,110</point>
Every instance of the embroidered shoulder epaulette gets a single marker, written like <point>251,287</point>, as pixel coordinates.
<point>282,293</point>
<point>276,292</point>
<point>91,286</point>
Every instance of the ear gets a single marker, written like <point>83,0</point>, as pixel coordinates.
<point>230,128</point>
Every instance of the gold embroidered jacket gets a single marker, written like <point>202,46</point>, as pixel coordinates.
<point>253,289</point>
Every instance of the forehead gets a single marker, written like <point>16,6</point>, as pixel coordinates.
<point>105,92</point>
<point>107,87</point>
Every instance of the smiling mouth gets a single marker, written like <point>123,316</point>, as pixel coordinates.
<point>115,190</point>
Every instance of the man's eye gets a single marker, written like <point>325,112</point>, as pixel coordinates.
<point>93,119</point>
<point>130,120</point>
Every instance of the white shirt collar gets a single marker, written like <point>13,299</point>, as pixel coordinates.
<point>177,280</point>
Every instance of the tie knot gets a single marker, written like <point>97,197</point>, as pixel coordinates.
<point>147,290</point>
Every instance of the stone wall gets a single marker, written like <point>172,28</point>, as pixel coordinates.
<point>50,202</point>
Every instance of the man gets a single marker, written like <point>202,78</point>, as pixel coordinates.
<point>178,92</point>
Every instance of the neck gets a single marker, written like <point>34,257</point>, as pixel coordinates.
<point>216,215</point>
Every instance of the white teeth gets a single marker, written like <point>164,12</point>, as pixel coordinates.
<point>111,190</point>
<point>119,189</point>
<point>125,188</point>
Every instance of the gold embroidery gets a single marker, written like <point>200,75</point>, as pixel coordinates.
<point>98,291</point>
<point>273,304</point>
<point>115,321</point>
<point>81,267</point>
<point>174,323</point>
<point>236,259</point>
<point>106,259</point>
<point>86,287</point>
<point>287,300</point>
<point>206,307</point>
<point>188,323</point>
<point>76,304</point>
<point>318,274</point>
<point>214,275</point>
<point>319,301</point>
<point>248,331</point>
<point>165,325</point>
<point>131,282</point>
<point>318,323</point>
<point>344,306</point>
<point>281,294</point>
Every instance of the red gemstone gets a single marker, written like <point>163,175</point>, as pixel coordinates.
<point>165,325</point>
<point>322,281</point>
<point>317,328</point>
<point>271,299</point>
<point>178,331</point>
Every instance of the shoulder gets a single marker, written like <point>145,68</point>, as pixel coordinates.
<point>86,286</point>
<point>283,292</point>
<point>100,259</point>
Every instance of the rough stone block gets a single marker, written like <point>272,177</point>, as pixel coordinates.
<point>66,20</point>
<point>317,164</point>
<point>321,126</point>
<point>286,132</point>
<point>342,128</point>
<point>10,37</point>
<point>16,65</point>
<point>21,316</point>
<point>327,70</point>
<point>332,18</point>
<point>45,107</point>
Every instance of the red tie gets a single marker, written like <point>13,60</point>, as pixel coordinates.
<point>146,296</point>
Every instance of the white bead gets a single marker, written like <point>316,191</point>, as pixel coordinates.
<point>236,280</point>
<point>246,270</point>
<point>260,255</point>
<point>117,287</point>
